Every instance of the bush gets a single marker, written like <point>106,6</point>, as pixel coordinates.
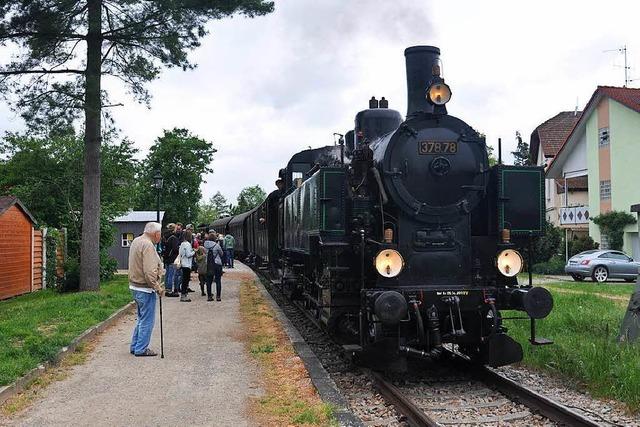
<point>581,244</point>
<point>52,241</point>
<point>546,246</point>
<point>554,266</point>
<point>71,280</point>
<point>612,224</point>
<point>108,265</point>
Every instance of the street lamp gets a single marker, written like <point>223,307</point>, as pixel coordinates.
<point>157,184</point>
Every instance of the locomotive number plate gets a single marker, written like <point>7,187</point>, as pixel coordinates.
<point>438,147</point>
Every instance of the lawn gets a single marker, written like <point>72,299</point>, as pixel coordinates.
<point>609,288</point>
<point>585,328</point>
<point>34,327</point>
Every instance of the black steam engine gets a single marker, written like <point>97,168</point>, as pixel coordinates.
<point>402,239</point>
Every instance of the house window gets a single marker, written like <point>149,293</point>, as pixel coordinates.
<point>605,190</point>
<point>603,137</point>
<point>127,238</point>
<point>604,241</point>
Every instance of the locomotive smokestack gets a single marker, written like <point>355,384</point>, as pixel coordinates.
<point>423,64</point>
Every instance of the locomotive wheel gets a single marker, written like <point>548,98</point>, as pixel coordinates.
<point>600,274</point>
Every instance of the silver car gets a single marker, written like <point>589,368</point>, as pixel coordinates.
<point>602,265</point>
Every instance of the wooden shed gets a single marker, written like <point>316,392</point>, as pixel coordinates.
<point>128,227</point>
<point>19,273</point>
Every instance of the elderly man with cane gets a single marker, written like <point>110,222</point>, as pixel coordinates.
<point>145,271</point>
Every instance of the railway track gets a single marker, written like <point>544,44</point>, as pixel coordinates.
<point>478,397</point>
<point>457,394</point>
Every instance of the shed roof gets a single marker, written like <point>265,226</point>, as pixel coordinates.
<point>7,201</point>
<point>139,216</point>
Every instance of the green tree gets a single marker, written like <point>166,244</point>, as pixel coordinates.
<point>492,157</point>
<point>64,48</point>
<point>521,156</point>
<point>612,225</point>
<point>46,174</point>
<point>249,198</point>
<point>548,245</point>
<point>182,159</point>
<point>216,207</point>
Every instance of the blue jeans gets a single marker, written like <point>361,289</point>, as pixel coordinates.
<point>177,279</point>
<point>146,304</point>
<point>229,257</point>
<point>169,276</point>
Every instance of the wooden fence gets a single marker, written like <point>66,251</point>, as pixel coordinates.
<point>39,249</point>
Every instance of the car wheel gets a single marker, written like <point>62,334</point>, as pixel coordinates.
<point>600,274</point>
<point>577,277</point>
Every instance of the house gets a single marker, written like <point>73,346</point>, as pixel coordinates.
<point>568,209</point>
<point>20,249</point>
<point>128,227</point>
<point>604,146</point>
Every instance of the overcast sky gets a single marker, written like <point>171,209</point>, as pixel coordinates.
<point>268,87</point>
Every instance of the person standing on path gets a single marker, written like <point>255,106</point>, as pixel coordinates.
<point>169,254</point>
<point>229,243</point>
<point>214,266</point>
<point>145,270</point>
<point>201,259</point>
<point>186,262</point>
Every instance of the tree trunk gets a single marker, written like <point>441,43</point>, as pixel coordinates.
<point>90,244</point>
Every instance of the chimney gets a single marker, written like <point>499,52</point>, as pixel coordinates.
<point>373,102</point>
<point>423,63</point>
<point>384,103</point>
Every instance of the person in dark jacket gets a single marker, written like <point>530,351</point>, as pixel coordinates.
<point>214,266</point>
<point>169,254</point>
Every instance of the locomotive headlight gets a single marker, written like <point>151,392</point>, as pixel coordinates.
<point>389,263</point>
<point>439,93</point>
<point>509,262</point>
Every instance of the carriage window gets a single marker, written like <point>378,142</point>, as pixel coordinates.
<point>127,238</point>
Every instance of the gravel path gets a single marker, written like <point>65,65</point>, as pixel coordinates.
<point>206,377</point>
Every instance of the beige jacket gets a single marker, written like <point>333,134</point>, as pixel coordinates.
<point>145,266</point>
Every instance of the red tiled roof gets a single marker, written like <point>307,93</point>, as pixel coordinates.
<point>552,133</point>
<point>575,184</point>
<point>627,96</point>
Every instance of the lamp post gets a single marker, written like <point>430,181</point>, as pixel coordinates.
<point>157,184</point>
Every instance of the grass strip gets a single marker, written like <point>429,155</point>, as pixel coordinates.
<point>34,327</point>
<point>585,329</point>
<point>290,398</point>
<point>617,288</point>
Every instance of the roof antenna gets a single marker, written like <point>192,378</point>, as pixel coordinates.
<point>623,50</point>
<point>575,112</point>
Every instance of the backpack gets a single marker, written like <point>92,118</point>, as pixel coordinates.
<point>202,263</point>
<point>213,259</point>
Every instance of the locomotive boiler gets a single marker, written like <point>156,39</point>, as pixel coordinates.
<point>402,239</point>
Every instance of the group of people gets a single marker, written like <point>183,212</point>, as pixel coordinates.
<point>184,252</point>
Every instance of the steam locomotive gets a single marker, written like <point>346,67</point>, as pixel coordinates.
<point>402,239</point>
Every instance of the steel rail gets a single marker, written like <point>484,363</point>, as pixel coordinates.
<point>541,404</point>
<point>415,416</point>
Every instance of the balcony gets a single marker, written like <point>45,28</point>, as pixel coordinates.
<point>574,215</point>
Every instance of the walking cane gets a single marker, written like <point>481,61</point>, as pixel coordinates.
<point>161,334</point>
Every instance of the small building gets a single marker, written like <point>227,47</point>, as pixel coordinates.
<point>570,209</point>
<point>128,227</point>
<point>604,146</point>
<point>19,273</point>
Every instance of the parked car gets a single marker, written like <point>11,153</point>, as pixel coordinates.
<point>602,265</point>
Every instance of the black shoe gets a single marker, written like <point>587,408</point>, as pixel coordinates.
<point>132,352</point>
<point>204,295</point>
<point>190,290</point>
<point>172,294</point>
<point>218,299</point>
<point>184,298</point>
<point>147,353</point>
<point>209,299</point>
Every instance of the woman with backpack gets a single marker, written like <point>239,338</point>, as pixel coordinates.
<point>214,266</point>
